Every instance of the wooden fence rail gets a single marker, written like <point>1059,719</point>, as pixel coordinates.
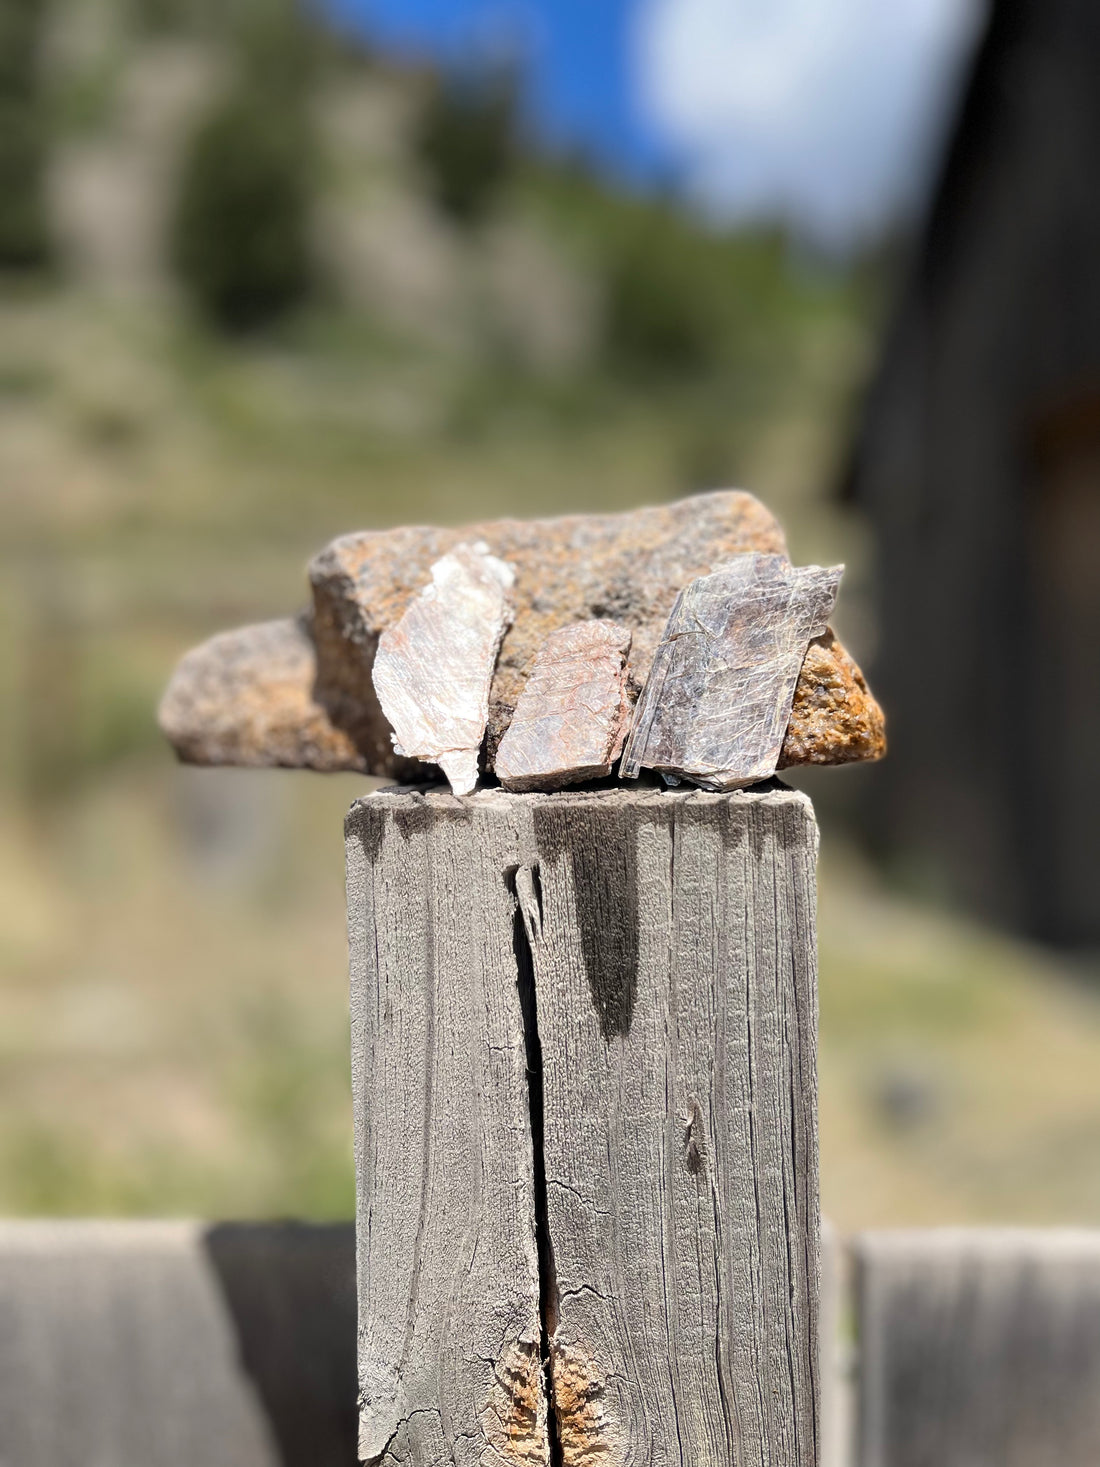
<point>153,1344</point>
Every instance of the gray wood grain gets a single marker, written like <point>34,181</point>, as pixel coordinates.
<point>979,1348</point>
<point>165,1344</point>
<point>449,1362</point>
<point>671,937</point>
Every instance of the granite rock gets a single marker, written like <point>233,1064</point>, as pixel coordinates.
<point>573,712</point>
<point>246,697</point>
<point>834,716</point>
<point>628,568</point>
<point>718,699</point>
<point>433,668</point>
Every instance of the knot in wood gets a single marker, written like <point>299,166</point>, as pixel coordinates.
<point>585,1431</point>
<point>514,1417</point>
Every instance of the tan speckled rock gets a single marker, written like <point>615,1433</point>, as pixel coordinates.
<point>628,568</point>
<point>834,718</point>
<point>246,697</point>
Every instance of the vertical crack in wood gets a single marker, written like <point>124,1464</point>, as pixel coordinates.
<point>526,888</point>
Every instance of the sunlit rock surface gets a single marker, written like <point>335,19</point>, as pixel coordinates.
<point>718,699</point>
<point>246,697</point>
<point>834,717</point>
<point>433,669</point>
<point>572,715</point>
<point>301,694</point>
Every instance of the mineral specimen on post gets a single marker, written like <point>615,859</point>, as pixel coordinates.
<point>718,698</point>
<point>433,669</point>
<point>624,567</point>
<point>834,717</point>
<point>573,712</point>
<point>302,694</point>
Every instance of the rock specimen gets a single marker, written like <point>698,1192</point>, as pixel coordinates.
<point>280,700</point>
<point>246,697</point>
<point>433,669</point>
<point>626,567</point>
<point>834,716</point>
<point>574,710</point>
<point>718,699</point>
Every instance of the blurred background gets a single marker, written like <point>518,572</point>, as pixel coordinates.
<point>270,272</point>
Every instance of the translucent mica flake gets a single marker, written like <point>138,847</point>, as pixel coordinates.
<point>433,668</point>
<point>717,701</point>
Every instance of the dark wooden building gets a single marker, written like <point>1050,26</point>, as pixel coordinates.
<point>978,463</point>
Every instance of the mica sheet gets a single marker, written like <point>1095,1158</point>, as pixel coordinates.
<point>433,668</point>
<point>573,712</point>
<point>718,699</point>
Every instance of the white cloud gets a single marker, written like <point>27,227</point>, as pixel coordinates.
<point>820,112</point>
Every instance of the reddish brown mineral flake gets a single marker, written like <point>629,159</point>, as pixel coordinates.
<point>572,715</point>
<point>718,699</point>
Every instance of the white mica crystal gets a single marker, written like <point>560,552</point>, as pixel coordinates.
<point>433,669</point>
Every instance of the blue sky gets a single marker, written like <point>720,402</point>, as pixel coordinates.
<point>822,113</point>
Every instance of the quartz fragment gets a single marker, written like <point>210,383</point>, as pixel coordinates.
<point>717,702</point>
<point>573,712</point>
<point>433,669</point>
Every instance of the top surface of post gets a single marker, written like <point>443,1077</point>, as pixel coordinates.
<point>440,800</point>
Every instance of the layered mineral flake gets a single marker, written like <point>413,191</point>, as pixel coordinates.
<point>434,667</point>
<point>572,715</point>
<point>717,702</point>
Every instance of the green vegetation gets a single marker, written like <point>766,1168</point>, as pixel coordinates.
<point>466,142</point>
<point>241,233</point>
<point>24,235</point>
<point>173,1011</point>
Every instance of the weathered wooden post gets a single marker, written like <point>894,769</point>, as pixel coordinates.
<point>584,1074</point>
<point>583,1023</point>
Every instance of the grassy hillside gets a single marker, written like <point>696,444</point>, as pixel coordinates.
<point>172,987</point>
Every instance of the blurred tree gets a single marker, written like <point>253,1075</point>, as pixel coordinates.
<point>24,234</point>
<point>467,141</point>
<point>664,309</point>
<point>241,232</point>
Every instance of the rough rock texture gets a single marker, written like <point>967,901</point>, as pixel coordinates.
<point>267,695</point>
<point>834,716</point>
<point>573,712</point>
<point>626,567</point>
<point>434,667</point>
<point>718,699</point>
<point>246,697</point>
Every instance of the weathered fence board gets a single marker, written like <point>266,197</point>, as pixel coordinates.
<point>664,1158</point>
<point>153,1344</point>
<point>979,1348</point>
